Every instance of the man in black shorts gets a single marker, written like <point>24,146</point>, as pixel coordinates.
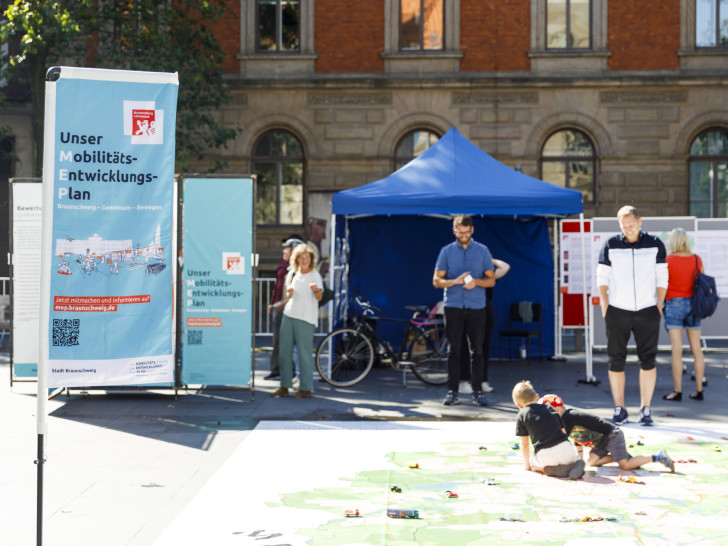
<point>632,281</point>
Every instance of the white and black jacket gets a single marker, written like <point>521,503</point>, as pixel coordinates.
<point>632,271</point>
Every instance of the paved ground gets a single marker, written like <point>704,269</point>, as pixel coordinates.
<point>122,466</point>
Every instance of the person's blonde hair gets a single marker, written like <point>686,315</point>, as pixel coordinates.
<point>679,241</point>
<point>297,251</point>
<point>524,393</point>
<point>626,211</point>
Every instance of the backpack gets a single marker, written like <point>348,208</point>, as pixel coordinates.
<point>705,296</point>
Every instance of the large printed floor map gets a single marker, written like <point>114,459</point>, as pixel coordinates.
<point>452,483</point>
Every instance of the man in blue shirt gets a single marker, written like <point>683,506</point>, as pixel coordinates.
<point>464,269</point>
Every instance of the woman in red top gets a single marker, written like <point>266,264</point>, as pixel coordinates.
<point>683,267</point>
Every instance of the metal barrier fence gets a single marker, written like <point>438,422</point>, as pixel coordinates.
<point>263,322</point>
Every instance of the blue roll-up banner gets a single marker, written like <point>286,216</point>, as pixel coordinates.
<point>108,205</point>
<point>217,281</point>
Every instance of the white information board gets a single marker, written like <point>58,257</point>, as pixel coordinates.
<point>27,201</point>
<point>710,241</point>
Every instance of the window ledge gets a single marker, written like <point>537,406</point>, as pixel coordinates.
<point>575,61</point>
<point>274,65</point>
<point>703,51</point>
<point>277,56</point>
<point>711,59</point>
<point>419,55</point>
<point>421,62</point>
<point>569,54</point>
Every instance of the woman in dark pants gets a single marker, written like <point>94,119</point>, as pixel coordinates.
<point>501,268</point>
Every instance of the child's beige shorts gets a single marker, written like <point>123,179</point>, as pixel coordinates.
<point>563,453</point>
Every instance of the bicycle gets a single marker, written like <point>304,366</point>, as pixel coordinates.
<point>346,355</point>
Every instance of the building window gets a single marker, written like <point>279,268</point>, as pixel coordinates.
<point>568,24</point>
<point>278,164</point>
<point>711,23</point>
<point>279,25</point>
<point>709,174</point>
<point>422,25</point>
<point>568,160</point>
<point>412,145</point>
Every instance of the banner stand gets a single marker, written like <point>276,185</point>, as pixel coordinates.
<point>216,281</point>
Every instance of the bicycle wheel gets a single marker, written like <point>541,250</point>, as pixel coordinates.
<point>428,353</point>
<point>344,357</point>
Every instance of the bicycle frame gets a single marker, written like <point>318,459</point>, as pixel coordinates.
<point>363,326</point>
<point>346,355</point>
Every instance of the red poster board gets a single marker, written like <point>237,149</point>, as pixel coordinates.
<point>572,307</point>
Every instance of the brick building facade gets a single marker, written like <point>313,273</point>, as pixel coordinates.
<point>625,100</point>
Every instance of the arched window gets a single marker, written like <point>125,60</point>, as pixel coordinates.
<point>278,164</point>
<point>709,174</point>
<point>568,160</point>
<point>413,144</point>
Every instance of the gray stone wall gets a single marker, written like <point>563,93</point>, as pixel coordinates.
<point>641,129</point>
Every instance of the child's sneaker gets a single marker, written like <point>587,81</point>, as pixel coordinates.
<point>558,471</point>
<point>620,416</point>
<point>577,470</point>
<point>664,458</point>
<point>573,471</point>
<point>646,417</point>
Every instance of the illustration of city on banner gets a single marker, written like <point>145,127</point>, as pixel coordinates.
<point>94,255</point>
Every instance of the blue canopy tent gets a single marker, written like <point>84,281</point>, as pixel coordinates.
<point>388,233</point>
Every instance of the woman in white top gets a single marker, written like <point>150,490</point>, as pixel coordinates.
<point>303,290</point>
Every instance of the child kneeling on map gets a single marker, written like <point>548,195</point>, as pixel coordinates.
<point>608,442</point>
<point>553,454</point>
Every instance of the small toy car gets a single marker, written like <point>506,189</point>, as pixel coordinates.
<point>403,514</point>
<point>451,494</point>
<point>630,479</point>
<point>414,465</point>
<point>351,513</point>
<point>395,489</point>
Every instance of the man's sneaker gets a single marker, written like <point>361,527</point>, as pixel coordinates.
<point>620,416</point>
<point>466,387</point>
<point>646,417</point>
<point>486,387</point>
<point>664,458</point>
<point>577,470</point>
<point>451,398</point>
<point>479,398</point>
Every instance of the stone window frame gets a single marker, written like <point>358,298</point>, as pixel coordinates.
<point>713,159</point>
<point>594,158</point>
<point>446,59</point>
<point>279,20</point>
<point>262,159</point>
<point>691,56</point>
<point>398,159</point>
<point>568,8</point>
<point>254,62</point>
<point>571,60</point>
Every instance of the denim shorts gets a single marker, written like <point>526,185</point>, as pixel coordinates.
<point>677,314</point>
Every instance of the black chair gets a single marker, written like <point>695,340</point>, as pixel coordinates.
<point>520,328</point>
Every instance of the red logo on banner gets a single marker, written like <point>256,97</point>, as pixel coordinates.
<point>143,122</point>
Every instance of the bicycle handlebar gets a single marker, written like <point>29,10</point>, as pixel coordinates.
<point>366,306</point>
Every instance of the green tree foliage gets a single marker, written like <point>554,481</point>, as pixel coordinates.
<point>152,35</point>
<point>37,32</point>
